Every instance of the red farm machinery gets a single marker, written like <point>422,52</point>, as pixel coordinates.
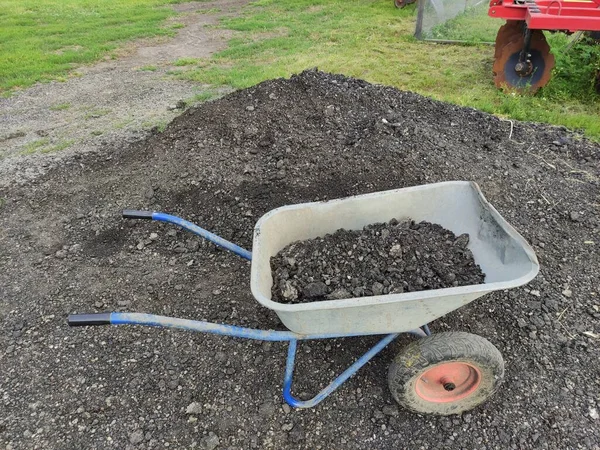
<point>522,57</point>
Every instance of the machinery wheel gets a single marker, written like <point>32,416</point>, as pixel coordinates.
<point>446,373</point>
<point>537,71</point>
<point>402,3</point>
<point>511,30</point>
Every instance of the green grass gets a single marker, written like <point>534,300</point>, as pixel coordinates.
<point>41,146</point>
<point>60,107</point>
<point>35,146</point>
<point>149,68</point>
<point>370,39</point>
<point>95,113</point>
<point>473,25</point>
<point>186,62</point>
<point>44,39</point>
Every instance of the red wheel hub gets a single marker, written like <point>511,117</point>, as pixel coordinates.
<point>448,382</point>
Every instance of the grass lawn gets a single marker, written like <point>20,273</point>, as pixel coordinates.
<point>368,39</point>
<point>44,39</point>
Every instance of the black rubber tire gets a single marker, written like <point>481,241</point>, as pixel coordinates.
<point>421,355</point>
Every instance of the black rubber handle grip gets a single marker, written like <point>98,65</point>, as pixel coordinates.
<point>83,320</point>
<point>134,214</point>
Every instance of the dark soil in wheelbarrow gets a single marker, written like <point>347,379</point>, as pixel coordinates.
<point>380,259</point>
<point>64,248</point>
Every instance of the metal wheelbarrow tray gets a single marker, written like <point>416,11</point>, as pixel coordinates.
<point>504,256</point>
<point>445,373</point>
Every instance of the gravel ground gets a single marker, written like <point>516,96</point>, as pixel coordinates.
<point>115,101</point>
<point>64,249</point>
<point>380,259</point>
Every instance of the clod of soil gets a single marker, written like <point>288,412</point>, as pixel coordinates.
<point>383,258</point>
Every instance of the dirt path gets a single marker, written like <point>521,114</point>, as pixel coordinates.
<point>64,248</point>
<point>114,101</point>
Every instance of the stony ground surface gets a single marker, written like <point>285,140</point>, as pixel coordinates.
<point>64,249</point>
<point>118,100</point>
<point>380,259</point>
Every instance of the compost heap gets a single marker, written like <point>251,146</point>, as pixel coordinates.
<point>64,248</point>
<point>384,258</point>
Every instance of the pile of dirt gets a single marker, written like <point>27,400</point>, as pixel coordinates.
<point>64,248</point>
<point>384,258</point>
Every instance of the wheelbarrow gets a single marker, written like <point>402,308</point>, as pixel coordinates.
<point>445,373</point>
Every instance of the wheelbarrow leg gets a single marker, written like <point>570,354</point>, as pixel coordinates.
<point>289,372</point>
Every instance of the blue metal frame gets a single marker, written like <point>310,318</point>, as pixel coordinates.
<point>217,240</point>
<point>152,320</point>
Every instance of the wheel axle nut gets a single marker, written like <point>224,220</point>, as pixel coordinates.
<point>449,386</point>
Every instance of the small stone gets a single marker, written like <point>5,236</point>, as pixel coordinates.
<point>522,323</point>
<point>330,110</point>
<point>75,248</point>
<point>290,262</point>
<point>153,236</point>
<point>172,233</point>
<point>61,254</point>
<point>286,408</point>
<point>136,437</point>
<point>178,287</point>
<point>272,96</point>
<point>377,288</point>
<point>535,293</point>
<point>267,409</point>
<point>462,240</point>
<point>210,442</point>
<point>140,246</point>
<point>289,291</point>
<point>180,249</point>
<point>193,245</point>
<point>313,290</point>
<point>287,426</point>
<point>194,408</point>
<point>339,294</point>
<point>390,410</point>
<point>171,107</point>
<point>378,414</point>
<point>250,108</point>
<point>594,413</point>
<point>567,293</point>
<point>396,251</point>
<point>149,193</point>
<point>575,216</point>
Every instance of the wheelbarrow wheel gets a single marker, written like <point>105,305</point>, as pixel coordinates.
<point>446,373</point>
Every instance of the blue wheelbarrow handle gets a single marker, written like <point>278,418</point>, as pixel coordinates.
<point>152,320</point>
<point>162,217</point>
